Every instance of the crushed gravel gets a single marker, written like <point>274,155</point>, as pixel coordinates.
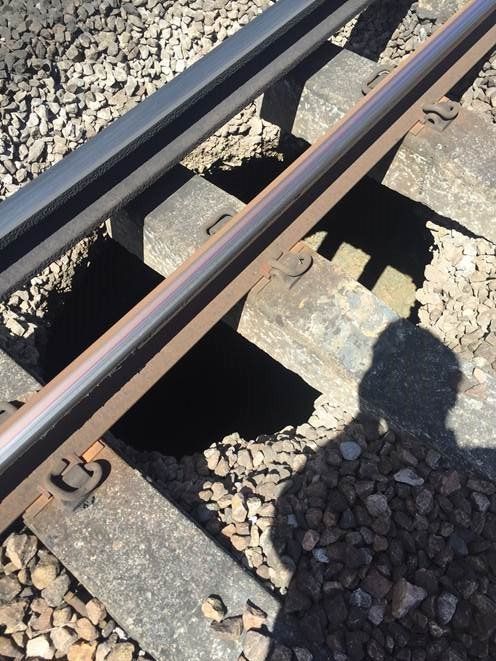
<point>45,614</point>
<point>458,298</point>
<point>387,31</point>
<point>382,549</point>
<point>68,69</point>
<point>481,95</point>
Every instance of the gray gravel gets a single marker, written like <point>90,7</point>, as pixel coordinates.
<point>458,298</point>
<point>68,69</point>
<point>387,555</point>
<point>44,614</point>
<point>481,95</point>
<point>389,30</point>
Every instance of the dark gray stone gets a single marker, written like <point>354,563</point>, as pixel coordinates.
<point>350,450</point>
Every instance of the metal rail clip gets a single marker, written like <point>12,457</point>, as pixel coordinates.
<point>440,115</point>
<point>375,77</point>
<point>290,267</point>
<point>74,482</point>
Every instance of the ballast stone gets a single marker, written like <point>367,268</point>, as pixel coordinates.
<point>350,450</point>
<point>409,476</point>
<point>452,172</point>
<point>406,596</point>
<point>446,607</point>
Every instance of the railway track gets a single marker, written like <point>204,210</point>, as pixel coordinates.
<point>255,254</point>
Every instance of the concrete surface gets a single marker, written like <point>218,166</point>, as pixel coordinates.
<point>150,565</point>
<point>452,172</point>
<point>14,380</point>
<point>340,338</point>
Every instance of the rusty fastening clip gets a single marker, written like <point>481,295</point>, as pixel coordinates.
<point>74,481</point>
<point>440,115</point>
<point>290,267</point>
<point>375,78</point>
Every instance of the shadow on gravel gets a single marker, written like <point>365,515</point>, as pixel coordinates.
<point>383,556</point>
<point>380,549</point>
<point>375,27</point>
<point>246,180</point>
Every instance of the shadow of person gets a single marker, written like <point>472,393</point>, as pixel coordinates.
<point>372,537</point>
<point>412,381</point>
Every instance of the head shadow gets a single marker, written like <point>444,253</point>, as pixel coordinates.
<point>412,382</point>
<point>324,561</point>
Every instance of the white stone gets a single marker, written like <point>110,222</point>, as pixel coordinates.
<point>40,647</point>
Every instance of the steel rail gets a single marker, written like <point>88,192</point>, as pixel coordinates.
<point>65,202</point>
<point>206,286</point>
